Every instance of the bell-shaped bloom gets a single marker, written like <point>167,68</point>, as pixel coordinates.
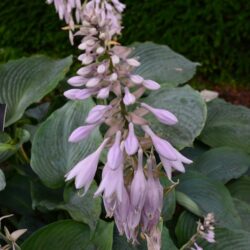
<point>96,114</point>
<point>131,143</point>
<point>154,193</point>
<point>136,79</point>
<point>103,93</point>
<point>122,211</point>
<point>133,62</point>
<point>78,94</point>
<point>150,84</point>
<point>93,82</point>
<point>81,133</point>
<point>77,81</point>
<point>163,148</point>
<point>115,154</point>
<point>128,98</point>
<point>84,171</point>
<point>161,115</point>
<point>138,186</point>
<point>112,184</point>
<point>169,166</point>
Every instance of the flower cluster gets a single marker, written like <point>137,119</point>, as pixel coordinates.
<point>130,184</point>
<point>205,230</point>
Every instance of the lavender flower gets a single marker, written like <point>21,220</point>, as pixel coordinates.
<point>131,143</point>
<point>81,133</point>
<point>85,170</point>
<point>162,115</point>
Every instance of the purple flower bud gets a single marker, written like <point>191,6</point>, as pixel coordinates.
<point>162,115</point>
<point>138,186</point>
<point>162,147</point>
<point>77,81</point>
<point>136,79</point>
<point>81,133</point>
<point>131,143</point>
<point>85,70</point>
<point>115,59</point>
<point>113,77</point>
<point>115,154</point>
<point>86,59</point>
<point>101,69</point>
<point>100,50</point>
<point>133,62</point>
<point>78,94</point>
<point>85,170</point>
<point>150,84</point>
<point>96,114</point>
<point>103,93</point>
<point>93,82</point>
<point>128,98</point>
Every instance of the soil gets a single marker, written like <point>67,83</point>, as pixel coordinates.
<point>235,95</point>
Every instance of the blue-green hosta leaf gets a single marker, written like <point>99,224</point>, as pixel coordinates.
<point>162,64</point>
<point>227,125</point>
<point>27,80</point>
<point>71,235</point>
<point>229,239</point>
<point>85,208</point>
<point>223,163</point>
<point>2,180</point>
<point>189,108</point>
<point>244,212</point>
<point>52,155</point>
<point>186,227</point>
<point>211,196</point>
<point>9,146</point>
<point>240,189</point>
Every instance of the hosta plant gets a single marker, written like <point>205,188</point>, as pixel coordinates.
<point>135,159</point>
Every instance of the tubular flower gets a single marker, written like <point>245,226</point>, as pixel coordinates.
<point>107,74</point>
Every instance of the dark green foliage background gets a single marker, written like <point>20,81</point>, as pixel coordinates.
<point>215,33</point>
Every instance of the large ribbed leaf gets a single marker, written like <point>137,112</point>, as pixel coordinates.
<point>211,196</point>
<point>9,146</point>
<point>186,227</point>
<point>27,80</point>
<point>240,189</point>
<point>71,235</point>
<point>188,107</point>
<point>223,163</point>
<point>52,155</point>
<point>82,208</point>
<point>227,125</point>
<point>162,64</point>
<point>244,212</point>
<point>2,180</point>
<point>227,239</point>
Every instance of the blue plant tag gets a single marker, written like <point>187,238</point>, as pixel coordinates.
<point>3,108</point>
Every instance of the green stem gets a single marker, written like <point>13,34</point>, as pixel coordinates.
<point>190,242</point>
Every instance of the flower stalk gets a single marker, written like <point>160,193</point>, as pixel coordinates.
<point>130,185</point>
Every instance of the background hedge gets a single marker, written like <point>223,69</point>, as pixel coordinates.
<point>213,32</point>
